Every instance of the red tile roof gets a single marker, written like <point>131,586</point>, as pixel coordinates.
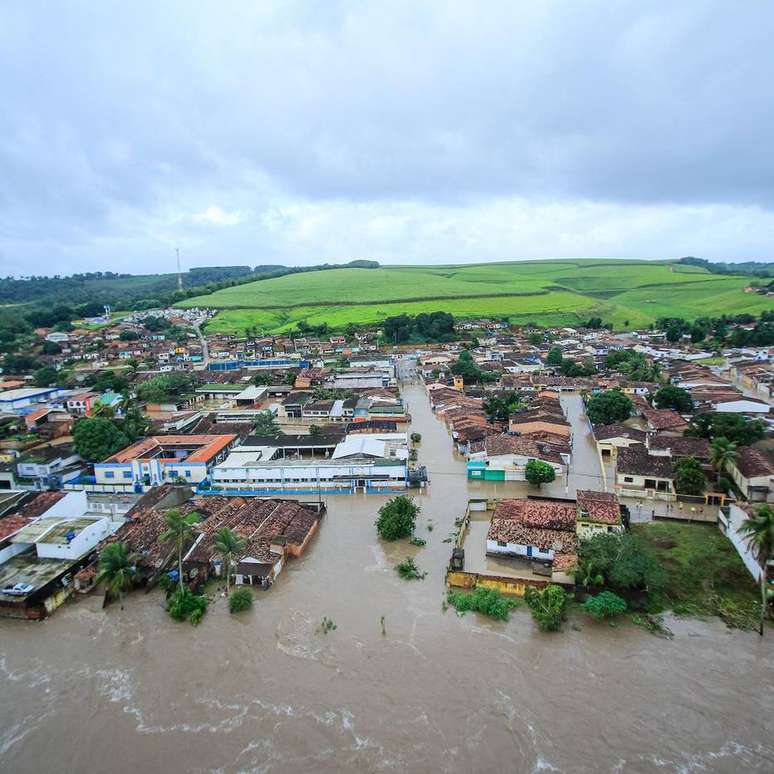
<point>600,507</point>
<point>11,524</point>
<point>209,446</point>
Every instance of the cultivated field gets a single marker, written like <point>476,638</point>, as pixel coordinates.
<point>626,293</point>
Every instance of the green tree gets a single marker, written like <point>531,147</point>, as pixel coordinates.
<point>535,338</point>
<point>315,431</point>
<point>609,407</point>
<point>605,605</point>
<point>51,348</point>
<point>240,600</point>
<point>538,472</point>
<point>45,376</point>
<point>397,518</point>
<point>547,606</point>
<point>266,424</point>
<point>672,397</point>
<point>97,438</point>
<point>116,569</point>
<point>722,453</point>
<point>181,529</point>
<point>500,407</point>
<point>734,427</point>
<point>228,544</point>
<point>758,528</point>
<point>619,560</point>
<point>689,477</point>
<point>554,357</point>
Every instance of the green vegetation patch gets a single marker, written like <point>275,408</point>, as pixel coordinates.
<point>704,574</point>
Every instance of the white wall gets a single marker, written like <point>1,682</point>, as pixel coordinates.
<point>736,516</point>
<point>83,542</point>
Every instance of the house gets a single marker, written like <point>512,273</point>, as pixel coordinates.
<point>611,438</point>
<point>23,400</point>
<point>662,420</point>
<point>753,472</point>
<point>48,467</point>
<point>533,529</point>
<point>540,420</point>
<point>678,446</point>
<point>367,462</point>
<point>50,538</point>
<point>639,474</point>
<point>505,458</point>
<point>273,530</point>
<point>158,459</point>
<point>598,513</point>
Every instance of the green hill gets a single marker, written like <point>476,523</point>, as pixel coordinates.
<point>555,292</point>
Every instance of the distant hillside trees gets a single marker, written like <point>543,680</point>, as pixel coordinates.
<point>750,268</point>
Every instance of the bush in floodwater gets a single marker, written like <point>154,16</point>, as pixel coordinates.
<point>184,605</point>
<point>605,605</point>
<point>397,518</point>
<point>416,437</point>
<point>327,625</point>
<point>489,602</point>
<point>547,606</point>
<point>240,600</point>
<point>408,570</point>
<point>418,541</point>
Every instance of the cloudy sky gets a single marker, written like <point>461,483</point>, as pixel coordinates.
<point>303,132</point>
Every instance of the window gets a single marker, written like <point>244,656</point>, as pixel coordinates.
<point>187,473</point>
<point>501,543</point>
<point>127,474</point>
<point>628,479</point>
<point>109,474</point>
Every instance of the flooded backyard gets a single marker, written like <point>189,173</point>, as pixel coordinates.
<point>128,690</point>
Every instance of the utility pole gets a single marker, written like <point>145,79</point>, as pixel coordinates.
<point>179,273</point>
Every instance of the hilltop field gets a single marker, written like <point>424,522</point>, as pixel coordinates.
<point>556,292</point>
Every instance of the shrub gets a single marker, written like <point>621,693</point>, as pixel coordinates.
<point>418,541</point>
<point>416,437</point>
<point>397,518</point>
<point>408,570</point>
<point>538,472</point>
<point>547,606</point>
<point>605,605</point>
<point>240,599</point>
<point>184,605</point>
<point>483,600</point>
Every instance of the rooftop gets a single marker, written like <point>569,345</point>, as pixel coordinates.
<point>202,447</point>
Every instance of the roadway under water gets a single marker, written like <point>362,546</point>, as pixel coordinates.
<point>129,690</point>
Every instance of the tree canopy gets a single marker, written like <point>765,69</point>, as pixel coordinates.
<point>609,407</point>
<point>672,397</point>
<point>96,438</point>
<point>689,477</point>
<point>397,518</point>
<point>733,427</point>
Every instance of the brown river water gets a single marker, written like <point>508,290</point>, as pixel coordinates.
<point>130,691</point>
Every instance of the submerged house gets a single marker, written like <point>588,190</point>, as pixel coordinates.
<point>273,530</point>
<point>533,529</point>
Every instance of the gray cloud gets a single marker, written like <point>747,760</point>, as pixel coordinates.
<point>409,128</point>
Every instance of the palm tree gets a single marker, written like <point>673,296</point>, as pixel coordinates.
<point>180,529</point>
<point>116,570</point>
<point>722,453</point>
<point>228,544</point>
<point>759,530</point>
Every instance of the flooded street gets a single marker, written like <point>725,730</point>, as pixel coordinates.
<point>129,690</point>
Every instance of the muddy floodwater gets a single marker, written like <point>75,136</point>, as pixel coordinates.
<point>130,691</point>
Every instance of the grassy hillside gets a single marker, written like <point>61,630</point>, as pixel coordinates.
<point>547,292</point>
